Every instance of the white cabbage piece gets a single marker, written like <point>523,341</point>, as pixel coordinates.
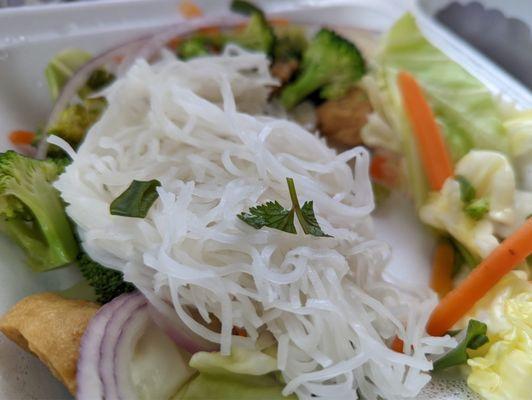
<point>158,368</point>
<point>492,176</point>
<point>519,130</point>
<point>444,210</point>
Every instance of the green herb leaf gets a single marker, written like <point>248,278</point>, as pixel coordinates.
<point>477,209</point>
<point>136,200</point>
<point>467,191</point>
<point>475,337</point>
<point>307,219</point>
<point>272,215</point>
<point>305,215</point>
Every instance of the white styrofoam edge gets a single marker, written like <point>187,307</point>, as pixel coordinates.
<point>495,78</point>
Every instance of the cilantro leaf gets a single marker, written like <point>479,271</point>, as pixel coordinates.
<point>274,215</point>
<point>270,214</point>
<point>475,337</point>
<point>307,219</point>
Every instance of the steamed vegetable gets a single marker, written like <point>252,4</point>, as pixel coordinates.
<point>442,269</point>
<point>97,80</point>
<point>433,153</point>
<point>194,47</point>
<point>75,120</point>
<point>258,34</point>
<point>501,261</point>
<point>31,211</point>
<point>481,174</point>
<point>61,68</point>
<point>20,137</point>
<point>136,200</point>
<point>465,108</point>
<point>331,65</point>
<point>291,43</point>
<point>107,283</point>
<point>273,215</point>
<point>189,9</point>
<point>245,374</point>
<point>123,354</point>
<point>475,337</point>
<point>503,369</point>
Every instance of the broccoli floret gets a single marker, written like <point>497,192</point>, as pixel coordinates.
<point>75,120</point>
<point>97,80</point>
<point>258,34</point>
<point>291,43</point>
<point>61,68</point>
<point>107,283</point>
<point>195,46</point>
<point>31,211</point>
<point>331,64</point>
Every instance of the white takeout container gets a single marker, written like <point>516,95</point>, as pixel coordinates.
<point>30,36</point>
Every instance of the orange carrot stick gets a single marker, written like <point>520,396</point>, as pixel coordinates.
<point>397,345</point>
<point>21,137</point>
<point>189,9</point>
<point>441,280</point>
<point>382,169</point>
<point>433,153</point>
<point>502,260</point>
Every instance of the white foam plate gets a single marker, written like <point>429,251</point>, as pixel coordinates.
<point>30,36</point>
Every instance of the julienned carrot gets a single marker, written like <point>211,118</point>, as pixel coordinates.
<point>381,171</point>
<point>189,9</point>
<point>441,280</point>
<point>502,260</point>
<point>397,345</point>
<point>21,137</point>
<point>434,156</point>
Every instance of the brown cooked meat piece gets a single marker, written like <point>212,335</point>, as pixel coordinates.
<point>341,120</point>
<point>284,70</point>
<point>50,327</point>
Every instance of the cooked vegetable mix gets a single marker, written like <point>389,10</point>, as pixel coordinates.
<point>176,208</point>
<point>331,65</point>
<point>32,212</point>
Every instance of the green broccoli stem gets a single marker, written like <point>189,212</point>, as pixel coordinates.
<point>21,232</point>
<point>57,246</point>
<point>305,84</point>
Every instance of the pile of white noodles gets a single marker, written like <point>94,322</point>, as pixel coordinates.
<point>199,128</point>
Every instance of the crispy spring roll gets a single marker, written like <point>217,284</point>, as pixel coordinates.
<point>50,327</point>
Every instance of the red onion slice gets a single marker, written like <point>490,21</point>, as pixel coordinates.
<point>159,41</point>
<point>89,385</point>
<point>109,343</point>
<point>170,323</point>
<point>113,330</point>
<point>131,333</point>
<point>145,47</point>
<point>79,79</point>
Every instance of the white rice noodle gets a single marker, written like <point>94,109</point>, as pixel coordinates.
<point>199,128</point>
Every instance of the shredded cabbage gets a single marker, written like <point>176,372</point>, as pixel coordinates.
<point>199,128</point>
